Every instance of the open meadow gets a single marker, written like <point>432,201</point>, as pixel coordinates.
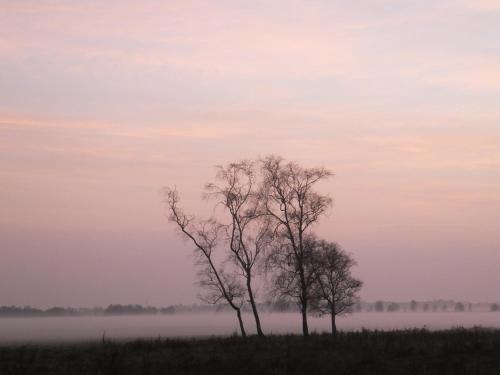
<point>452,352</point>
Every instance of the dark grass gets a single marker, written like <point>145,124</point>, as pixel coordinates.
<point>454,352</point>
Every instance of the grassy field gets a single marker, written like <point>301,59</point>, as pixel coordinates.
<point>453,352</point>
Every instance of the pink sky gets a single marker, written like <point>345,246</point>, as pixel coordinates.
<point>104,103</point>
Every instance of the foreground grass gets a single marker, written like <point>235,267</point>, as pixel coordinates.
<point>458,351</point>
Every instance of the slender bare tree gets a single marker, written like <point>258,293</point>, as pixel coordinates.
<point>291,201</point>
<point>248,230</point>
<point>336,290</point>
<point>288,281</point>
<point>206,237</point>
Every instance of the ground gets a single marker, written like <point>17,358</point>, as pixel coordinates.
<point>454,352</point>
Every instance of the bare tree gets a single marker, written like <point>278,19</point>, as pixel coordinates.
<point>288,281</point>
<point>248,231</point>
<point>206,236</point>
<point>290,199</point>
<point>336,290</point>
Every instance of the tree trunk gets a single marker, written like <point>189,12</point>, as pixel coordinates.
<point>305,328</point>
<point>242,328</point>
<point>304,301</point>
<point>254,308</point>
<point>334,325</point>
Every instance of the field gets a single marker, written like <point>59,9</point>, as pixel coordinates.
<point>458,351</point>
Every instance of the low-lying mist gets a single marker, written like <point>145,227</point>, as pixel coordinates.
<point>90,328</point>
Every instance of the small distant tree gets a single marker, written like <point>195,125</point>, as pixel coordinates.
<point>205,235</point>
<point>413,305</point>
<point>459,307</point>
<point>494,307</point>
<point>379,306</point>
<point>335,289</point>
<point>393,307</point>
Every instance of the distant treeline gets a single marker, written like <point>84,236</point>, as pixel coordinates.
<point>118,309</point>
<point>427,306</point>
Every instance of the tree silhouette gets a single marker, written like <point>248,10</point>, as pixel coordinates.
<point>248,231</point>
<point>205,236</point>
<point>293,204</point>
<point>335,290</point>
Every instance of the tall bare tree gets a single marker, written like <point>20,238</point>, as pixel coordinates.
<point>336,290</point>
<point>290,199</point>
<point>206,237</point>
<point>248,230</point>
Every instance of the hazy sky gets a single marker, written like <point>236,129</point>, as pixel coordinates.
<point>102,103</point>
